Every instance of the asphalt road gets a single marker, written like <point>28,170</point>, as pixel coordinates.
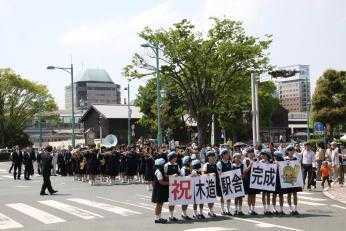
<point>78,206</point>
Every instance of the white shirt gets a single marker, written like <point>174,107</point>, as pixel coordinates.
<point>335,156</point>
<point>308,157</point>
<point>158,174</point>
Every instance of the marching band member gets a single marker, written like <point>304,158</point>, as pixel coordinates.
<point>209,168</point>
<point>185,171</point>
<point>160,190</point>
<point>196,171</point>
<point>238,201</point>
<point>224,165</point>
<point>171,168</point>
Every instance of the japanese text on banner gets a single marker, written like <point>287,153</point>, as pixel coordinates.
<point>263,176</point>
<point>231,184</point>
<point>180,190</point>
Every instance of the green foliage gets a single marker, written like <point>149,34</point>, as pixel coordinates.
<point>206,72</point>
<point>20,100</point>
<point>329,99</point>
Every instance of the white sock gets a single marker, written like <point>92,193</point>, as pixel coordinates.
<point>229,206</point>
<point>223,207</point>
<point>240,208</point>
<point>200,211</point>
<point>157,217</point>
<point>184,213</point>
<point>171,213</point>
<point>281,209</point>
<point>236,207</point>
<point>211,210</point>
<point>265,207</point>
<point>268,207</point>
<point>274,208</point>
<point>295,208</point>
<point>195,212</point>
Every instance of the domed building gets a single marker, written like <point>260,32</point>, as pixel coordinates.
<point>94,86</point>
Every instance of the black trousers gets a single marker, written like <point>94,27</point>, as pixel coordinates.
<point>46,184</point>
<point>17,170</point>
<point>324,179</point>
<point>10,170</point>
<point>27,171</point>
<point>307,172</point>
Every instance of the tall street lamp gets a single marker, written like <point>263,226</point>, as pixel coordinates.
<point>129,114</point>
<point>155,48</point>
<point>70,71</point>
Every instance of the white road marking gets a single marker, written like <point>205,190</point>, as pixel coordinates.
<point>265,224</point>
<point>311,198</point>
<point>338,206</point>
<point>81,213</point>
<point>305,193</point>
<point>8,223</point>
<point>22,186</point>
<point>310,203</point>
<point>42,216</point>
<point>7,176</point>
<point>125,203</point>
<point>211,229</point>
<point>107,207</point>
<point>3,170</point>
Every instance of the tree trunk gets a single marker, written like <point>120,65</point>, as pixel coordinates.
<point>202,128</point>
<point>329,130</point>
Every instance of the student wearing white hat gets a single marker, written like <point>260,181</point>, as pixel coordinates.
<point>160,190</point>
<point>196,171</point>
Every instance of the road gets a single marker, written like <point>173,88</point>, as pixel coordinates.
<point>78,206</point>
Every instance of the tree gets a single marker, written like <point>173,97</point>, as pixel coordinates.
<point>202,68</point>
<point>329,99</point>
<point>20,100</point>
<point>172,111</point>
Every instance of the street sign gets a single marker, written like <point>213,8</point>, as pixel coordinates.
<point>319,127</point>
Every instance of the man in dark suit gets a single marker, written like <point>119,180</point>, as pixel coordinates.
<point>17,159</point>
<point>46,169</point>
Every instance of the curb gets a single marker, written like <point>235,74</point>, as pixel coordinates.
<point>331,196</point>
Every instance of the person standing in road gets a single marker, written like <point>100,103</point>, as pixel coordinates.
<point>17,159</point>
<point>335,160</point>
<point>27,164</point>
<point>308,161</point>
<point>320,158</point>
<point>46,172</point>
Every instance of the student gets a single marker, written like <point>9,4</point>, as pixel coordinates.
<point>185,171</point>
<point>171,168</point>
<point>209,168</point>
<point>265,157</point>
<point>224,165</point>
<point>238,201</point>
<point>196,171</point>
<point>160,190</point>
<point>278,156</point>
<point>292,191</point>
<point>325,173</point>
<point>251,193</point>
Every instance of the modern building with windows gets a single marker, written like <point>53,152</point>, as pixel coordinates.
<point>294,95</point>
<point>94,86</point>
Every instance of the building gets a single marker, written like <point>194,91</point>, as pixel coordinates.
<point>294,92</point>
<point>113,120</point>
<point>94,86</point>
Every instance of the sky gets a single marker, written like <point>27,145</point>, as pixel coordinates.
<point>104,33</point>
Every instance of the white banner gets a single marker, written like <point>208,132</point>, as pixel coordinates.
<point>263,176</point>
<point>290,174</point>
<point>231,184</point>
<point>204,189</point>
<point>180,190</point>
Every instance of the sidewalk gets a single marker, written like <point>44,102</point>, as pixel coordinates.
<point>336,193</point>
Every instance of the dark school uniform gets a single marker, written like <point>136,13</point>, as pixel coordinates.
<point>222,166</point>
<point>149,169</point>
<point>246,182</point>
<point>131,164</point>
<point>185,171</point>
<point>160,192</point>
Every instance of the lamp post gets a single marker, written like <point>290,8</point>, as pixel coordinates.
<point>129,114</point>
<point>70,71</point>
<point>155,48</point>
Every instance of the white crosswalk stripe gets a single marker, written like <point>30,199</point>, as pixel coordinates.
<point>107,207</point>
<point>8,223</point>
<point>42,216</point>
<point>81,213</point>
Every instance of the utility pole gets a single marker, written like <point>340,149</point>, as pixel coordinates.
<point>253,110</point>
<point>212,135</point>
<point>129,115</point>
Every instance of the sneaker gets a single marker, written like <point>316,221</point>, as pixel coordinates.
<point>253,213</point>
<point>201,216</point>
<point>196,217</point>
<point>282,213</point>
<point>229,214</point>
<point>235,213</point>
<point>173,219</point>
<point>186,218</point>
<point>240,213</point>
<point>296,213</point>
<point>224,213</point>
<point>275,212</point>
<point>160,221</point>
<point>211,214</point>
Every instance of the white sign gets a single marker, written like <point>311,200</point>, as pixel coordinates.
<point>263,176</point>
<point>231,184</point>
<point>204,189</point>
<point>180,190</point>
<point>290,174</point>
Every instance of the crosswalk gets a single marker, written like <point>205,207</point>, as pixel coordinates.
<point>89,209</point>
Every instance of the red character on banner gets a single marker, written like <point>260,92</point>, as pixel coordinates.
<point>182,189</point>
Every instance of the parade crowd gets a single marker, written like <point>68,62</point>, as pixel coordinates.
<point>148,164</point>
